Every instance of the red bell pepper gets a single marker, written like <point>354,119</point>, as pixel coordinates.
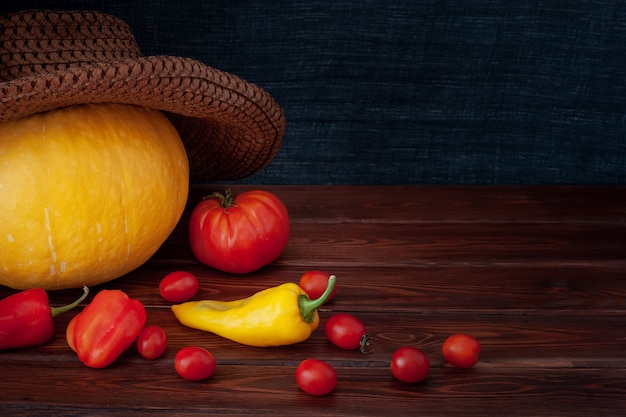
<point>105,328</point>
<point>26,318</point>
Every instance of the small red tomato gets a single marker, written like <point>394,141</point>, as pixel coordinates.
<point>346,331</point>
<point>314,284</point>
<point>461,350</point>
<point>152,342</point>
<point>194,363</point>
<point>410,364</point>
<point>316,377</point>
<point>178,286</point>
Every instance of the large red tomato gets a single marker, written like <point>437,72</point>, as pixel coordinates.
<point>239,234</point>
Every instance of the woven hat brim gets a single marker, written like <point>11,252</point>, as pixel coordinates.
<point>231,128</point>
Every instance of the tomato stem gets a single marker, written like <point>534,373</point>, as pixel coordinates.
<point>227,200</point>
<point>58,310</point>
<point>308,306</point>
<point>364,343</point>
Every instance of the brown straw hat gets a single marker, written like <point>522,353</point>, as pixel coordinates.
<point>231,128</point>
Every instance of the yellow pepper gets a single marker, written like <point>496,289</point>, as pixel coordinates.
<point>276,316</point>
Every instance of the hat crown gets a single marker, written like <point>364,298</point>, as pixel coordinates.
<point>37,42</point>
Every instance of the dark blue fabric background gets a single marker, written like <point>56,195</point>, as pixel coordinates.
<point>414,91</point>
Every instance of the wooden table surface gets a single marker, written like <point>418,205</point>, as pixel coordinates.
<point>537,274</point>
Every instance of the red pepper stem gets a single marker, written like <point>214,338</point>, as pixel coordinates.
<point>308,306</point>
<point>58,310</point>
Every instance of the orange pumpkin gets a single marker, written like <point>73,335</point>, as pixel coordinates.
<point>87,194</point>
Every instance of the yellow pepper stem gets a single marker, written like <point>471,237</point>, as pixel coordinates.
<point>308,307</point>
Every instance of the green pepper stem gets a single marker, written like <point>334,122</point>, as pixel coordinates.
<point>58,310</point>
<point>308,307</point>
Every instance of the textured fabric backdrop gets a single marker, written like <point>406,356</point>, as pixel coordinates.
<point>414,91</point>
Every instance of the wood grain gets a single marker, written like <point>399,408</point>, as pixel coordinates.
<point>535,273</point>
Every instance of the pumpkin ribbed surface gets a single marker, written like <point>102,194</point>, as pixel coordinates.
<point>87,194</point>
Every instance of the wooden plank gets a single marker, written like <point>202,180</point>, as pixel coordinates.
<point>591,289</point>
<point>235,390</point>
<point>424,204</point>
<point>508,341</point>
<point>376,244</point>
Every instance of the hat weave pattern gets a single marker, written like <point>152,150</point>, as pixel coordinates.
<point>231,128</point>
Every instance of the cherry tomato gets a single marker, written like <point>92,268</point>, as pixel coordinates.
<point>346,331</point>
<point>316,377</point>
<point>178,286</point>
<point>314,284</point>
<point>410,364</point>
<point>239,234</point>
<point>152,342</point>
<point>194,363</point>
<point>461,350</point>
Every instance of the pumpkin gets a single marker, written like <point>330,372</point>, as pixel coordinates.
<point>88,193</point>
